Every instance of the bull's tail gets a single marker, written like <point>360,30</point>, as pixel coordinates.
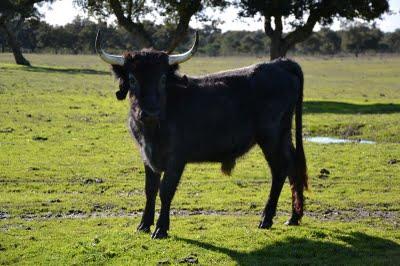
<point>301,165</point>
<point>298,177</point>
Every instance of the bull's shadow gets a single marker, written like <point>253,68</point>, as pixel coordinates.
<point>316,107</point>
<point>357,248</point>
<point>46,69</point>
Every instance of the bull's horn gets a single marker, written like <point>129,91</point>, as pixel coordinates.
<point>180,58</point>
<point>108,58</point>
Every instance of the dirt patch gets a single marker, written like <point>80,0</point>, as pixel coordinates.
<point>191,259</point>
<point>324,173</point>
<point>326,215</point>
<point>7,130</point>
<point>89,181</point>
<point>351,130</point>
<point>40,138</point>
<point>4,215</point>
<point>354,215</point>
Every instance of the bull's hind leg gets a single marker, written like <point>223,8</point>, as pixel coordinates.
<point>277,154</point>
<point>151,188</point>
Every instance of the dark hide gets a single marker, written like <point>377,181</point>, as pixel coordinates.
<point>214,118</point>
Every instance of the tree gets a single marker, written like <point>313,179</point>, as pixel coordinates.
<point>392,40</point>
<point>210,40</point>
<point>2,43</point>
<point>303,15</point>
<point>331,41</point>
<point>131,15</point>
<point>325,41</point>
<point>360,38</point>
<point>311,45</point>
<point>12,15</point>
<point>26,34</point>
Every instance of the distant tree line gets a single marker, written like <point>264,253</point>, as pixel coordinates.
<point>78,36</point>
<point>133,15</point>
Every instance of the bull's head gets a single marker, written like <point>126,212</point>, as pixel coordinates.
<point>144,75</point>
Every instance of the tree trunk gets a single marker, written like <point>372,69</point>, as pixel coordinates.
<point>16,48</point>
<point>178,35</point>
<point>279,44</point>
<point>185,14</point>
<point>278,48</point>
<point>141,37</point>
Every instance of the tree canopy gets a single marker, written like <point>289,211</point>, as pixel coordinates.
<point>131,15</point>
<point>20,24</point>
<point>303,15</point>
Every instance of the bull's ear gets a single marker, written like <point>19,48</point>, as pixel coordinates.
<point>121,75</point>
<point>121,94</point>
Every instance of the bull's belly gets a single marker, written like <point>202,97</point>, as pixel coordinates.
<point>220,155</point>
<point>219,149</point>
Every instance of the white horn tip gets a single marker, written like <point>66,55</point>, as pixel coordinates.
<point>180,58</point>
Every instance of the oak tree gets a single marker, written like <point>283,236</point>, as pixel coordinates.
<point>303,15</point>
<point>131,15</point>
<point>12,14</point>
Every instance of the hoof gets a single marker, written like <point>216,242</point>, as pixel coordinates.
<point>292,222</point>
<point>265,224</point>
<point>143,228</point>
<point>159,234</point>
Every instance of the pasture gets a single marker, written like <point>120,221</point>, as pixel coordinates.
<point>71,178</point>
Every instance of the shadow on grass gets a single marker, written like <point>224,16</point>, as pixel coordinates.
<point>45,69</point>
<point>357,248</point>
<point>315,107</point>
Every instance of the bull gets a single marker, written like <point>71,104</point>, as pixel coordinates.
<point>176,119</point>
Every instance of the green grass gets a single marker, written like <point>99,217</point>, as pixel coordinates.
<point>210,240</point>
<point>72,179</point>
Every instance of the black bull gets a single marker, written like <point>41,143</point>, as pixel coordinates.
<point>214,118</point>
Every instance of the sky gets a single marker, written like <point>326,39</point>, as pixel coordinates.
<point>63,11</point>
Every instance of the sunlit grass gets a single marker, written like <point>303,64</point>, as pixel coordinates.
<point>65,152</point>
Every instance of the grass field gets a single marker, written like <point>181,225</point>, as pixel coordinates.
<point>71,178</point>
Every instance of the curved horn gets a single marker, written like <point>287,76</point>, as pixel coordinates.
<point>108,58</point>
<point>180,58</point>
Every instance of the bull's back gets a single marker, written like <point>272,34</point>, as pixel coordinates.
<point>218,119</point>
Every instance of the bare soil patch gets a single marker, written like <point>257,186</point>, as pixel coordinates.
<point>326,215</point>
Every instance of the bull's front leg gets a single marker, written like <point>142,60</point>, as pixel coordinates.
<point>151,188</point>
<point>168,187</point>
